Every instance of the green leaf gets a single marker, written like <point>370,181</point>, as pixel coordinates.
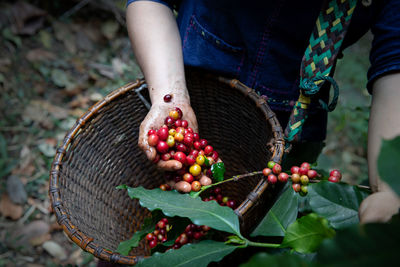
<point>285,259</point>
<point>206,162</point>
<point>199,212</point>
<point>126,246</point>
<point>218,171</point>
<point>307,233</point>
<point>282,213</point>
<point>336,202</point>
<point>388,163</point>
<point>363,245</point>
<point>199,254</point>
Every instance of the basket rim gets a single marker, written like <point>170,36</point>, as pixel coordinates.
<point>87,243</point>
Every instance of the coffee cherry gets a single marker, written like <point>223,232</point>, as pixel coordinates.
<point>335,173</point>
<point>304,179</point>
<point>167,98</point>
<point>166,156</point>
<point>200,160</point>
<point>160,224</point>
<point>305,165</point>
<point>180,130</point>
<point>153,243</point>
<point>196,145</point>
<point>163,133</point>
<point>196,186</point>
<point>283,177</point>
<point>151,132</point>
<point>194,153</point>
<point>195,169</point>
<point>178,123</point>
<point>176,246</point>
<point>312,174</point>
<point>231,203</point>
<point>183,239</point>
<point>188,140</point>
<point>277,169</point>
<point>153,140</point>
<point>170,141</point>
<point>197,235</point>
<point>185,123</point>
<point>169,121</point>
<point>333,179</point>
<point>162,147</point>
<point>303,170</point>
<point>272,179</point>
<point>183,187</point>
<point>203,143</point>
<point>165,220</point>
<point>208,150</point>
<point>172,131</point>
<point>217,190</point>
<point>304,189</point>
<point>172,152</point>
<point>296,187</point>
<point>205,228</point>
<point>174,114</point>
<point>156,159</point>
<point>266,171</point>
<point>271,164</point>
<point>190,130</point>
<point>187,177</point>
<point>294,169</point>
<point>211,161</point>
<point>196,137</point>
<point>165,187</point>
<point>295,178</point>
<point>181,147</point>
<point>190,160</point>
<point>215,155</point>
<point>179,112</point>
<point>178,137</point>
<point>201,152</point>
<point>149,236</point>
<point>180,156</point>
<point>219,198</point>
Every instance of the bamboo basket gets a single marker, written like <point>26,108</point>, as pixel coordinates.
<point>100,152</point>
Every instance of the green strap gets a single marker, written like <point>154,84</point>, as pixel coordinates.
<point>318,60</point>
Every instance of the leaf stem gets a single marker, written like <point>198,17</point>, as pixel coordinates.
<point>233,178</point>
<point>358,185</point>
<point>264,245</point>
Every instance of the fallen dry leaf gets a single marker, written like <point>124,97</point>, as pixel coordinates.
<point>39,54</point>
<point>32,233</point>
<point>9,209</point>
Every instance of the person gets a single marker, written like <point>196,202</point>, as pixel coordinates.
<point>261,43</point>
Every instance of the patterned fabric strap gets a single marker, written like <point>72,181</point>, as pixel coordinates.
<point>318,59</point>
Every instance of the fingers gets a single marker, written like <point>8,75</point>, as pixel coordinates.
<point>379,207</point>
<point>170,165</point>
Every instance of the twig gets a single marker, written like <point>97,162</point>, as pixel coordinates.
<point>27,214</point>
<point>75,9</point>
<point>358,185</point>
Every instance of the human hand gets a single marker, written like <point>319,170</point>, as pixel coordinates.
<point>154,120</point>
<point>379,206</point>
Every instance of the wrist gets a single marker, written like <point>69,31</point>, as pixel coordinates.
<point>178,96</point>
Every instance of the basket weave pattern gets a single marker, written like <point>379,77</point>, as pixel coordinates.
<point>100,152</point>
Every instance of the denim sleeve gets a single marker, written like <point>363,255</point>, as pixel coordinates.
<point>170,3</point>
<point>385,52</point>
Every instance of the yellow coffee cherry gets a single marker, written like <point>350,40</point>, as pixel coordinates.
<point>195,169</point>
<point>174,114</point>
<point>200,160</point>
<point>170,141</point>
<point>172,132</point>
<point>178,137</point>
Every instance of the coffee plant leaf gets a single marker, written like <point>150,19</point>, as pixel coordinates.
<point>337,202</point>
<point>388,163</point>
<point>363,245</point>
<point>306,233</point>
<point>284,259</point>
<point>282,213</point>
<point>198,254</point>
<point>199,212</point>
<point>148,226</point>
<point>218,171</point>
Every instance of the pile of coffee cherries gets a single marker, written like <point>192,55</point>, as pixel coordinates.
<point>175,140</point>
<point>222,200</point>
<point>159,235</point>
<point>300,176</point>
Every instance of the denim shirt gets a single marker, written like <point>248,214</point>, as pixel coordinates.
<point>261,43</point>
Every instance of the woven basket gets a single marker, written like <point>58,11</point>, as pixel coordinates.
<point>101,152</point>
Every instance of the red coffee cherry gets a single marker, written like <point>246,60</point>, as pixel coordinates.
<point>196,186</point>
<point>305,165</point>
<point>167,98</point>
<point>266,171</point>
<point>272,179</point>
<point>277,169</point>
<point>196,137</point>
<point>333,179</point>
<point>283,177</point>
<point>312,174</point>
<point>187,177</point>
<point>303,170</point>
<point>190,160</point>
<point>153,243</point>
<point>203,143</point>
<point>180,156</point>
<point>153,140</point>
<point>162,147</point>
<point>185,123</point>
<point>163,133</point>
<point>151,131</point>
<point>208,150</point>
<point>336,173</point>
<point>294,169</point>
<point>296,187</point>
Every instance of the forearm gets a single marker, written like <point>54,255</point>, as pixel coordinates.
<point>384,122</point>
<point>156,43</point>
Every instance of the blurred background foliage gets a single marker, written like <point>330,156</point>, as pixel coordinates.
<point>57,58</point>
